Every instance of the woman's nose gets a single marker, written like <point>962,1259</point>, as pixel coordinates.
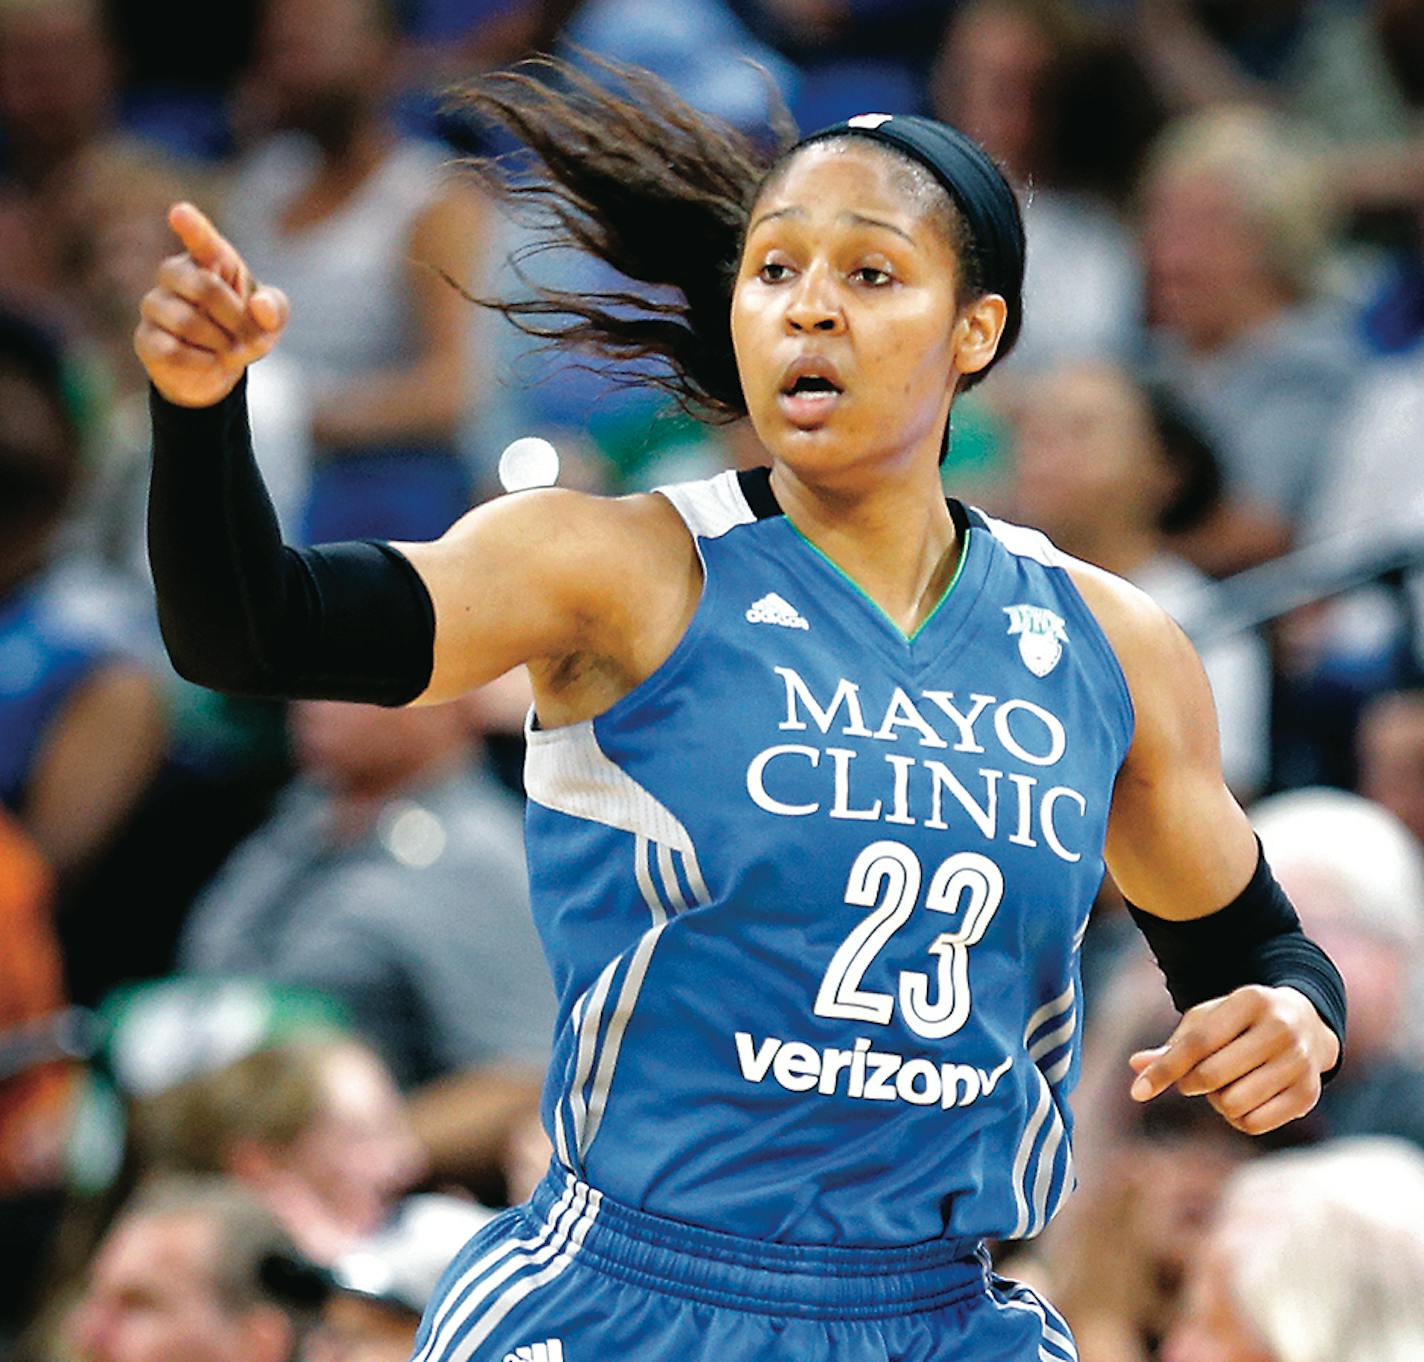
<point>814,306</point>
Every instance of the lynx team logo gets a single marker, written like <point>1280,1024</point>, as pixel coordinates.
<point>1042,635</point>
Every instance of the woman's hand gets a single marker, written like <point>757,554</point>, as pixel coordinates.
<point>206,319</point>
<point>1256,1055</point>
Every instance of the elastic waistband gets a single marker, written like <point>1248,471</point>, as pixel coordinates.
<point>816,1281</point>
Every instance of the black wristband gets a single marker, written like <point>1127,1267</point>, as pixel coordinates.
<point>1254,939</point>
<point>243,613</point>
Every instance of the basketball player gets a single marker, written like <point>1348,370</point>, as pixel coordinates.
<point>821,768</point>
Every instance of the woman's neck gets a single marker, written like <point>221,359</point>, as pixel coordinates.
<point>896,540</point>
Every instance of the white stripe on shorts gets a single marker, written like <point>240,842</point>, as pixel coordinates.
<point>505,1260</point>
<point>517,1290</point>
<point>1021,1298</point>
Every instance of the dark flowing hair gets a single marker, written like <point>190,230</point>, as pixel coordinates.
<point>615,164</point>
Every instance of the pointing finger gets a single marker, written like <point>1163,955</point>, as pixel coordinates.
<point>195,230</point>
<point>208,246</point>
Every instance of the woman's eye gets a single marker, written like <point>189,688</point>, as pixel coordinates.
<point>773,272</point>
<point>869,274</point>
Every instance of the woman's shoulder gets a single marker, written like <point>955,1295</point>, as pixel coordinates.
<point>597,554</point>
<point>1123,612</point>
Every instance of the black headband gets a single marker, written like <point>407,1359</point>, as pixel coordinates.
<point>973,181</point>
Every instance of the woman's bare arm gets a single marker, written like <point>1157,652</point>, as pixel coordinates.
<point>591,592</point>
<point>1181,849</point>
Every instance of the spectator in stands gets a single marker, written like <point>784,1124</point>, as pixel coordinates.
<point>1236,226</point>
<point>57,97</point>
<point>1371,500</point>
<point>1062,106</point>
<point>379,1293</point>
<point>391,876</point>
<point>179,1276</point>
<point>36,1076</point>
<point>1356,876</point>
<point>1351,71</point>
<point>1392,757</point>
<point>1314,1256</point>
<point>349,218</point>
<point>314,1127</point>
<point>852,58</point>
<point>82,732</point>
<point>1105,474</point>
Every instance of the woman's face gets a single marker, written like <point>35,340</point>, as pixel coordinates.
<point>1086,459</point>
<point>359,1154</point>
<point>1203,252</point>
<point>847,337</point>
<point>1209,1327</point>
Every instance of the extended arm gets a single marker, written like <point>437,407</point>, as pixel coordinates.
<point>1263,1006</point>
<point>242,612</point>
<point>592,593</point>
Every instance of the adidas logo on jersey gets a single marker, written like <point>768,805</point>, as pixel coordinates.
<point>774,609</point>
<point>549,1351</point>
<point>1042,635</point>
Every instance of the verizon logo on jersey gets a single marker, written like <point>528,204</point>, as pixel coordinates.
<point>865,1074</point>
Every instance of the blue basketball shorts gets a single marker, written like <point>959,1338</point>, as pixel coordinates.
<point>575,1277</point>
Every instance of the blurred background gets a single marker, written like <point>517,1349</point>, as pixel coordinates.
<point>272,1013</point>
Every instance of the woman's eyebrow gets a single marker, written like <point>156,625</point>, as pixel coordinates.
<point>859,219</point>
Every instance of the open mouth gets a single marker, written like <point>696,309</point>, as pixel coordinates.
<point>809,384</point>
<point>809,397</point>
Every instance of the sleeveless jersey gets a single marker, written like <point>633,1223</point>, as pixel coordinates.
<point>813,894</point>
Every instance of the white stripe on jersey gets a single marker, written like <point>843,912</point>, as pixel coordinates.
<point>1064,1349</point>
<point>1043,1183</point>
<point>613,1040</point>
<point>642,872</point>
<point>1049,1011</point>
<point>1058,1070</point>
<point>669,873</point>
<point>1050,1042</point>
<point>587,1044</point>
<point>1024,1153</point>
<point>628,994</point>
<point>561,1139</point>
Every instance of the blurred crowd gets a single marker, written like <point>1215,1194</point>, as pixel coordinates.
<point>272,1012</point>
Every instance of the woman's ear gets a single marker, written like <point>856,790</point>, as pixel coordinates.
<point>977,331</point>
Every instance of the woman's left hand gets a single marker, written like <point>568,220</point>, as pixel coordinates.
<point>1256,1055</point>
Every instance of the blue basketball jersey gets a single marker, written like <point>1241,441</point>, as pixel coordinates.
<point>813,894</point>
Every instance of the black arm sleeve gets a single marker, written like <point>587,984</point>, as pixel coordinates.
<point>242,612</point>
<point>1255,939</point>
